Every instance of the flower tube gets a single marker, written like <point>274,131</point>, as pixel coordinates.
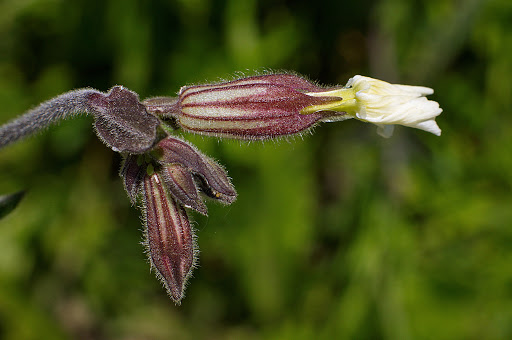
<point>269,106</point>
<point>259,107</point>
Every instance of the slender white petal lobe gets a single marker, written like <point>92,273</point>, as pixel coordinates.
<point>383,103</point>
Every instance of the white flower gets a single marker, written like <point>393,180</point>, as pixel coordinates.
<point>384,104</point>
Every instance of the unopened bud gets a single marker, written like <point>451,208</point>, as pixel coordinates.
<point>132,173</point>
<point>181,185</point>
<point>169,237</point>
<point>212,178</point>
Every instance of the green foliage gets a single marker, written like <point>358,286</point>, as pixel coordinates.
<point>337,235</point>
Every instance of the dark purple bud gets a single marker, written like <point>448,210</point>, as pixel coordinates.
<point>213,179</point>
<point>181,185</point>
<point>122,122</point>
<point>132,174</point>
<point>258,107</point>
<point>169,237</point>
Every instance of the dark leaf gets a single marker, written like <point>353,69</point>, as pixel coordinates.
<point>122,122</point>
<point>9,202</point>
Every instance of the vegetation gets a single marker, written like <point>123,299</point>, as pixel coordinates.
<point>341,234</point>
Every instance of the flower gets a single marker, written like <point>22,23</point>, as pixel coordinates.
<point>384,104</point>
<point>168,176</point>
<point>273,105</point>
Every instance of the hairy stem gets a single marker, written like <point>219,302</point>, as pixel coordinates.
<point>64,106</point>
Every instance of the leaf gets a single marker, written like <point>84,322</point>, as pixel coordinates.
<point>122,122</point>
<point>9,202</point>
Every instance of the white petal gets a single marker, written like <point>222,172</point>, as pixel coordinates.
<point>420,90</point>
<point>429,126</point>
<point>386,104</point>
<point>385,131</point>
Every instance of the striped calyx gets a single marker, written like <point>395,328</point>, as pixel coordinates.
<point>258,107</point>
<point>169,237</point>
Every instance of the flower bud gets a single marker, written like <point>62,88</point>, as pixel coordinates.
<point>132,173</point>
<point>210,177</point>
<point>181,185</point>
<point>258,107</point>
<point>169,237</point>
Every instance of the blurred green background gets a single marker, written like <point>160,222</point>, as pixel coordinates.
<point>336,235</point>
